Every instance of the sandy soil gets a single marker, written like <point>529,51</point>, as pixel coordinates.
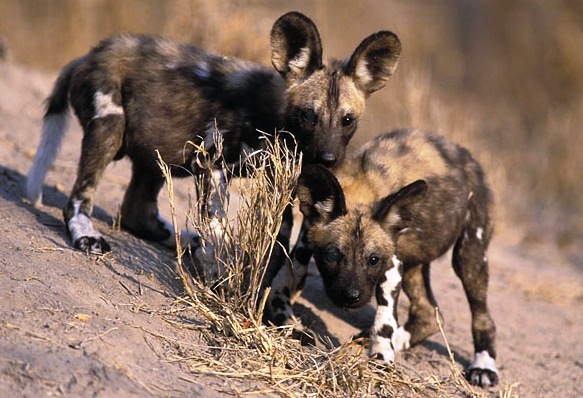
<point>75,325</point>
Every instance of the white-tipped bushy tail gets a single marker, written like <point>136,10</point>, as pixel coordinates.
<point>55,124</point>
<point>54,128</point>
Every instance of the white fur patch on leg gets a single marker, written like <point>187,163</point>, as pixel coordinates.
<point>385,318</point>
<point>482,371</point>
<point>483,360</point>
<point>105,106</point>
<point>80,224</point>
<point>211,135</point>
<point>218,198</point>
<point>171,241</point>
<point>401,339</point>
<point>84,236</point>
<point>382,345</point>
<point>211,247</point>
<point>218,230</point>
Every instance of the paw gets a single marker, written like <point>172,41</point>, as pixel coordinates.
<point>299,332</point>
<point>482,377</point>
<point>92,244</point>
<point>210,262</point>
<point>362,337</point>
<point>187,239</point>
<point>381,360</point>
<point>482,371</point>
<point>191,238</point>
<point>84,236</point>
<point>381,349</point>
<point>401,339</point>
<point>306,337</point>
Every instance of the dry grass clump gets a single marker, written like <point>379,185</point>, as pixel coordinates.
<point>234,249</point>
<point>260,359</point>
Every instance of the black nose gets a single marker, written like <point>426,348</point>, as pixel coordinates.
<point>328,159</point>
<point>353,296</point>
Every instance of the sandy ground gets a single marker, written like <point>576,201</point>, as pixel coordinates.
<point>73,325</point>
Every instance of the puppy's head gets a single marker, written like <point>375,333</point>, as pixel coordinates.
<point>353,248</point>
<point>325,102</point>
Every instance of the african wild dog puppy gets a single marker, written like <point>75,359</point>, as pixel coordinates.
<point>134,95</point>
<point>399,203</point>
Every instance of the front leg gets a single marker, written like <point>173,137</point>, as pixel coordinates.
<point>212,226</point>
<point>385,335</point>
<point>288,283</point>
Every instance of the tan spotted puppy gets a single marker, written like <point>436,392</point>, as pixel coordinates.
<point>402,201</point>
<point>134,95</point>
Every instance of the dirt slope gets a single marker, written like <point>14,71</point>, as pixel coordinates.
<point>72,325</point>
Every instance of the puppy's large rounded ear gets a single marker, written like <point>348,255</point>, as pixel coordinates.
<point>374,61</point>
<point>321,197</point>
<point>296,48</point>
<point>397,211</point>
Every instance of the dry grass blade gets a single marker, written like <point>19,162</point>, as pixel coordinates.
<point>457,374</point>
<point>509,391</point>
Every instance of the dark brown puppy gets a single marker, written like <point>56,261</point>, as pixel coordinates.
<point>400,202</point>
<point>134,95</point>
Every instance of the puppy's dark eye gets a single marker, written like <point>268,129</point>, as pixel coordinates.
<point>334,255</point>
<point>309,116</point>
<point>348,120</point>
<point>373,261</point>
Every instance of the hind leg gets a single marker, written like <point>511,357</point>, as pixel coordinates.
<point>139,210</point>
<point>101,141</point>
<point>421,322</point>
<point>471,266</point>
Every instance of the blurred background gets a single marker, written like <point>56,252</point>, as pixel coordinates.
<point>503,78</point>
